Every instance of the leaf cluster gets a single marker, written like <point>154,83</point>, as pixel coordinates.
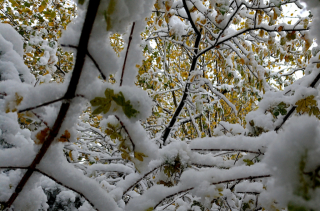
<point>104,104</point>
<point>308,105</point>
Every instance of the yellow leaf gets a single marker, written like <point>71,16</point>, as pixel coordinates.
<point>51,23</point>
<point>70,155</point>
<point>304,105</point>
<point>41,8</point>
<point>242,61</point>
<point>125,156</point>
<point>168,5</point>
<point>261,33</point>
<point>158,60</point>
<point>139,155</point>
<point>18,98</point>
<point>184,74</point>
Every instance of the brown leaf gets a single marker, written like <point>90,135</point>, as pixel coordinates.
<point>280,28</point>
<point>65,137</point>
<point>41,136</point>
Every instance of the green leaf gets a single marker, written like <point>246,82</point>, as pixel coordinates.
<point>119,99</point>
<point>248,162</point>
<point>294,207</point>
<point>149,209</point>
<point>245,206</point>
<point>106,107</point>
<point>109,12</point>
<point>81,2</point>
<point>98,101</point>
<point>283,111</point>
<point>109,93</point>
<point>105,103</point>
<point>98,110</point>
<point>128,110</point>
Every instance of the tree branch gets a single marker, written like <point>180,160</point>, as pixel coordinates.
<point>44,104</point>
<point>232,150</point>
<point>134,184</point>
<point>92,59</point>
<point>215,183</point>
<point>60,183</point>
<point>125,129</point>
<point>125,58</point>
<point>314,82</point>
<point>167,131</point>
<point>82,50</point>
<point>189,18</point>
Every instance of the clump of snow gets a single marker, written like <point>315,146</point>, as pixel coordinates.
<point>289,160</point>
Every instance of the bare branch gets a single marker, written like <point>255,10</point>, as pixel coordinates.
<point>231,150</point>
<point>134,184</point>
<point>125,129</point>
<point>125,58</point>
<point>44,104</point>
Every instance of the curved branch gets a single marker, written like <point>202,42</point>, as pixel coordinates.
<point>60,183</point>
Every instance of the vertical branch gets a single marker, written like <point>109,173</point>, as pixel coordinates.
<point>125,58</point>
<point>193,65</point>
<point>82,50</point>
<point>194,122</point>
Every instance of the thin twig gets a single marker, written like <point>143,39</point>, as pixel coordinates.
<point>14,167</point>
<point>236,158</point>
<point>92,59</point>
<point>175,200</point>
<point>125,58</point>
<point>39,117</point>
<point>125,129</point>
<point>38,106</point>
<point>232,150</point>
<point>183,191</point>
<point>243,178</point>
<point>60,183</point>
<point>215,183</point>
<point>134,184</point>
<point>97,66</point>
